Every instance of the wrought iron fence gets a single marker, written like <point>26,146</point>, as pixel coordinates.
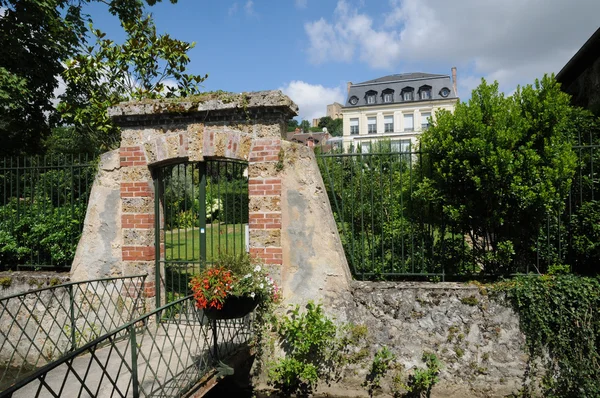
<point>161,354</point>
<point>390,232</point>
<point>43,325</point>
<point>43,201</point>
<point>204,208</point>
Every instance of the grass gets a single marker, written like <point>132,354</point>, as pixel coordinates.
<point>184,245</point>
<point>182,252</point>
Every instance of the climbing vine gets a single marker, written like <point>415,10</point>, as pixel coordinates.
<point>560,316</point>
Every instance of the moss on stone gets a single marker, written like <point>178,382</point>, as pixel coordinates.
<point>5,282</point>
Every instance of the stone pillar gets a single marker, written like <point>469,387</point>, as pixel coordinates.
<point>265,187</point>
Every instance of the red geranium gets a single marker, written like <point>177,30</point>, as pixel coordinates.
<point>211,287</point>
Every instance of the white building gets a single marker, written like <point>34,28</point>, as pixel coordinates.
<point>396,108</point>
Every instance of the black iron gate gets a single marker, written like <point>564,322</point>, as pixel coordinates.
<point>201,211</point>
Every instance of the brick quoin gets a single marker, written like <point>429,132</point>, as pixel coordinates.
<point>136,189</point>
<point>132,156</point>
<point>269,255</point>
<point>137,253</point>
<point>149,289</point>
<point>140,221</point>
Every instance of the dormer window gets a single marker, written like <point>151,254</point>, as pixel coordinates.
<point>407,94</point>
<point>353,100</point>
<point>445,92</point>
<point>425,92</point>
<point>388,95</point>
<point>371,97</point>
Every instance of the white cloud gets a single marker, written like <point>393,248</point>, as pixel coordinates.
<point>233,9</point>
<point>249,8</point>
<point>513,41</point>
<point>312,99</point>
<point>300,3</point>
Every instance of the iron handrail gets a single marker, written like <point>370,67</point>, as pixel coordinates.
<point>137,358</point>
<point>58,319</point>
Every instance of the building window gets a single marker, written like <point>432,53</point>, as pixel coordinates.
<point>354,100</point>
<point>372,125</point>
<point>388,123</point>
<point>354,126</point>
<point>407,94</point>
<point>409,122</point>
<point>425,92</point>
<point>388,95</point>
<point>402,146</point>
<point>365,147</point>
<point>371,97</point>
<point>425,120</point>
<point>445,92</point>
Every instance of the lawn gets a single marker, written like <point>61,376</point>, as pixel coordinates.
<point>184,244</point>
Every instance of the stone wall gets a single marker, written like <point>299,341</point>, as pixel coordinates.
<point>23,281</point>
<point>477,339</point>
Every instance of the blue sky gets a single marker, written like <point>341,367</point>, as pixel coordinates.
<point>311,48</point>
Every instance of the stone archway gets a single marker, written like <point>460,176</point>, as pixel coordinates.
<point>118,237</point>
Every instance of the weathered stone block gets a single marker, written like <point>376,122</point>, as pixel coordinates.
<point>137,205</point>
<point>265,238</point>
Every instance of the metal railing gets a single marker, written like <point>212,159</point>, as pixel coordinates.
<point>161,354</point>
<point>43,325</point>
<point>43,201</point>
<point>390,232</point>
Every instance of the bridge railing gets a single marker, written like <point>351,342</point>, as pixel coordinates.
<point>43,325</point>
<point>161,354</point>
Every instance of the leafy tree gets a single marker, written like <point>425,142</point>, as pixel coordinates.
<point>334,127</point>
<point>36,38</point>
<point>146,65</point>
<point>500,167</point>
<point>292,125</point>
<point>304,126</point>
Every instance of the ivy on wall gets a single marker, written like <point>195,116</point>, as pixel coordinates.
<point>560,316</point>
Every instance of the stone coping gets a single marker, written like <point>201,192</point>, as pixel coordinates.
<point>366,285</point>
<point>249,102</point>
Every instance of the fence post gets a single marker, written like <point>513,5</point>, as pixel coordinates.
<point>135,384</point>
<point>72,315</point>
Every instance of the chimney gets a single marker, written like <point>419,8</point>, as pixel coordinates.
<point>454,80</point>
<point>348,86</point>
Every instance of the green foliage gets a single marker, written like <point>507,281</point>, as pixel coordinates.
<point>583,225</point>
<point>334,127</point>
<point>36,39</point>
<point>560,316</point>
<point>422,380</point>
<point>311,345</point>
<point>292,125</point>
<point>108,73</point>
<point>42,211</point>
<point>381,226</point>
<point>382,362</point>
<point>38,233</point>
<point>226,197</point>
<point>305,126</point>
<point>498,167</point>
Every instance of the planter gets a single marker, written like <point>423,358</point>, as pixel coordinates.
<point>233,307</point>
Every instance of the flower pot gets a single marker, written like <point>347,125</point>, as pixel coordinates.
<point>233,307</point>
